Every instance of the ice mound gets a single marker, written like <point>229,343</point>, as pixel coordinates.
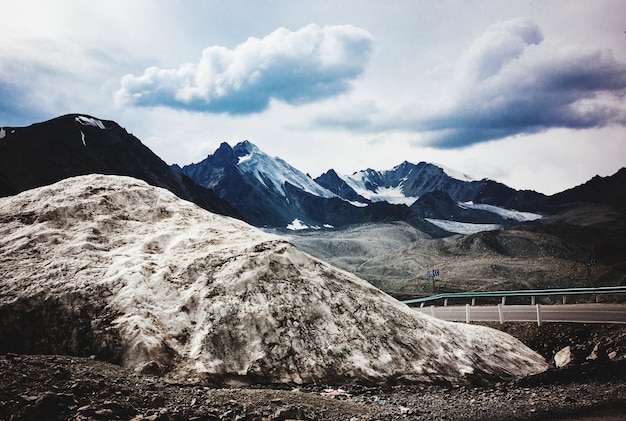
<point>111,266</point>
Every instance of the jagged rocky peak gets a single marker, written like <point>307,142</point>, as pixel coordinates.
<point>257,159</point>
<point>245,147</point>
<point>224,153</point>
<point>147,280</point>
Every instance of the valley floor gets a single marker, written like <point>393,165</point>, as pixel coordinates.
<point>65,387</point>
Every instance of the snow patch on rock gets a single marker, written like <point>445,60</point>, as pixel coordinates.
<point>90,121</point>
<point>297,225</point>
<point>450,172</point>
<point>197,294</point>
<point>511,214</point>
<point>463,227</point>
<point>359,182</point>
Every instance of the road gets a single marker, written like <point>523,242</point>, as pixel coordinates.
<point>577,313</point>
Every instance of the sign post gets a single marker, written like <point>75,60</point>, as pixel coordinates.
<point>432,274</point>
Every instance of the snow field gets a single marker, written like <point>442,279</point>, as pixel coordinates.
<point>200,294</point>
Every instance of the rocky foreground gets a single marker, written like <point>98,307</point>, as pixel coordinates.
<point>64,387</point>
<point>186,307</point>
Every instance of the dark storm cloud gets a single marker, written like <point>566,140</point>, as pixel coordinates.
<point>510,83</point>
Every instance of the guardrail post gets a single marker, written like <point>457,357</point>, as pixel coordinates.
<point>504,300</point>
<point>422,304</point>
<point>500,313</point>
<point>532,300</point>
<point>432,310</point>
<point>538,314</point>
<point>445,302</point>
<point>474,301</point>
<point>467,313</point>
<point>565,299</point>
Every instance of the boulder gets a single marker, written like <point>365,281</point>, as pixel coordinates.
<point>569,355</point>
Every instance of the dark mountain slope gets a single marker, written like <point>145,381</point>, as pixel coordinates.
<point>331,180</point>
<point>498,194</point>
<point>73,145</point>
<point>609,190</point>
<point>439,205</point>
<point>337,212</point>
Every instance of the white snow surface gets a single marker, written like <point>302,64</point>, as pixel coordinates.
<point>201,294</point>
<point>3,133</point>
<point>454,173</point>
<point>90,121</point>
<point>463,227</point>
<point>511,214</point>
<point>277,172</point>
<point>393,195</point>
<point>297,225</point>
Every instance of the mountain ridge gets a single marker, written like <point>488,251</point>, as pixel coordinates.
<point>267,191</point>
<point>79,144</point>
<point>469,201</point>
<point>243,172</point>
<point>270,192</point>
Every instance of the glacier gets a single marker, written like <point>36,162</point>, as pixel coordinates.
<point>463,227</point>
<point>110,266</point>
<point>394,195</point>
<point>511,214</point>
<point>276,171</point>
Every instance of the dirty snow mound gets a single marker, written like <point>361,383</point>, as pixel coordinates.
<point>111,266</point>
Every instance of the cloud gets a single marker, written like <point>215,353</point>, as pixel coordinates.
<point>30,98</point>
<point>298,67</point>
<point>509,82</point>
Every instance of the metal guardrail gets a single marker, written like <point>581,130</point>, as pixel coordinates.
<point>551,313</point>
<point>521,293</point>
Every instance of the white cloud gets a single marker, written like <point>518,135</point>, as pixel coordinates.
<point>501,43</point>
<point>292,66</point>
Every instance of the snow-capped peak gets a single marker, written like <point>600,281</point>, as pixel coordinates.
<point>450,172</point>
<point>401,184</point>
<point>275,172</point>
<point>369,184</point>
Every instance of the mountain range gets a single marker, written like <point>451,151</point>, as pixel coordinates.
<point>266,191</point>
<point>269,192</point>
<point>386,226</point>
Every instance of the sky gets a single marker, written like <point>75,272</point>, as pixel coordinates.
<point>528,93</point>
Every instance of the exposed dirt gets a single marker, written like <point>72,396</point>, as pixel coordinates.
<point>581,247</point>
<point>35,387</point>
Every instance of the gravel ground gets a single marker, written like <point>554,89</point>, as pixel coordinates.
<point>55,387</point>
